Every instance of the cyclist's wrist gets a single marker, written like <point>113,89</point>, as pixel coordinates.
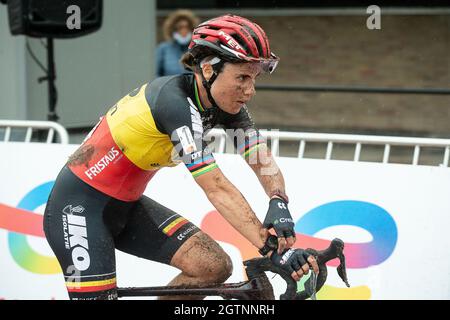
<point>280,195</point>
<point>270,245</point>
<point>263,235</point>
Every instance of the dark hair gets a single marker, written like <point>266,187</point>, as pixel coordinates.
<point>188,61</point>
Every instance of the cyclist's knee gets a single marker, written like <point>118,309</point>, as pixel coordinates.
<point>202,257</point>
<point>219,269</point>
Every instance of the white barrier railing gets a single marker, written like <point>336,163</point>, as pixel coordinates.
<point>273,136</point>
<point>29,125</point>
<point>357,140</point>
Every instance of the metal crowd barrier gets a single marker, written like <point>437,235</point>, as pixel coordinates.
<point>274,137</point>
<point>6,126</point>
<point>330,138</point>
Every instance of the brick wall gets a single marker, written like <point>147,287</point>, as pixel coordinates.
<point>408,51</point>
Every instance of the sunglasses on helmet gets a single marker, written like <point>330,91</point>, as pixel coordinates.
<point>268,65</point>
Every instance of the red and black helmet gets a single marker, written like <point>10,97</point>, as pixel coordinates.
<point>234,39</point>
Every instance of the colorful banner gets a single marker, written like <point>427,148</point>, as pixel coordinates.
<point>392,218</point>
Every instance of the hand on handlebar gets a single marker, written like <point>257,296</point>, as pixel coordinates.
<point>297,262</point>
<point>279,218</point>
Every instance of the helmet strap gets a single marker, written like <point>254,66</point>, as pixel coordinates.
<point>217,68</point>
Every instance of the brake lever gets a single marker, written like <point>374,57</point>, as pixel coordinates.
<point>342,270</point>
<point>313,285</point>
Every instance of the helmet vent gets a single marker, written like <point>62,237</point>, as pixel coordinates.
<point>241,42</point>
<point>256,39</point>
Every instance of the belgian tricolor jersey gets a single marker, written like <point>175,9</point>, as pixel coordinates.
<point>157,125</point>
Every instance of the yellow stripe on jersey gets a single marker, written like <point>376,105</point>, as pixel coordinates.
<point>173,224</point>
<point>134,131</point>
<point>90,283</point>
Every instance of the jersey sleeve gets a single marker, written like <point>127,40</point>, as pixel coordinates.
<point>241,129</point>
<point>180,119</point>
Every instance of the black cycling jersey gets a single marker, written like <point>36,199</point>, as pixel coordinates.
<point>97,202</point>
<point>156,125</point>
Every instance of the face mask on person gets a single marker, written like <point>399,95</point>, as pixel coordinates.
<point>182,40</point>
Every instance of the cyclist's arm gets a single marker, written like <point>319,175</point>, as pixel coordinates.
<point>183,125</point>
<point>252,146</point>
<point>269,174</point>
<point>232,205</point>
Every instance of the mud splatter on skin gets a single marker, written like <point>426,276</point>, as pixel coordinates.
<point>213,263</point>
<point>82,156</point>
<point>203,262</point>
<point>249,217</point>
<point>246,217</point>
<point>219,180</point>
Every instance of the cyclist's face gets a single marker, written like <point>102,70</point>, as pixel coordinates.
<point>235,86</point>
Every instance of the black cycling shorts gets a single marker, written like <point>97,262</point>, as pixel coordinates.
<point>84,226</point>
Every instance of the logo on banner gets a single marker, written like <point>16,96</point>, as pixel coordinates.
<point>26,222</point>
<point>23,222</point>
<point>368,216</point>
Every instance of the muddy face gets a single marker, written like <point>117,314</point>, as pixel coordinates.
<point>235,86</point>
<point>82,156</point>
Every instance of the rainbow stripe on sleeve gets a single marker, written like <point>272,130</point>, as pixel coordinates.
<point>202,166</point>
<point>251,145</point>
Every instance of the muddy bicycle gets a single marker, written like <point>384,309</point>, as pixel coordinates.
<point>258,286</point>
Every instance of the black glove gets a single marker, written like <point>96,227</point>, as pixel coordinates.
<point>279,218</point>
<point>290,260</point>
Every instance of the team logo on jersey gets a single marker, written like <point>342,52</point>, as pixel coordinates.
<point>75,236</point>
<point>98,167</point>
<point>184,234</point>
<point>196,120</point>
<point>69,209</point>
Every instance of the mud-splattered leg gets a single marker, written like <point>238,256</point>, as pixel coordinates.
<point>202,261</point>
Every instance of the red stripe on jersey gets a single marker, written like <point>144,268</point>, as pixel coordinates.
<point>103,166</point>
<point>92,288</point>
<point>176,227</point>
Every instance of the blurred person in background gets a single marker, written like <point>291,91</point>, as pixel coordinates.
<point>177,30</point>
